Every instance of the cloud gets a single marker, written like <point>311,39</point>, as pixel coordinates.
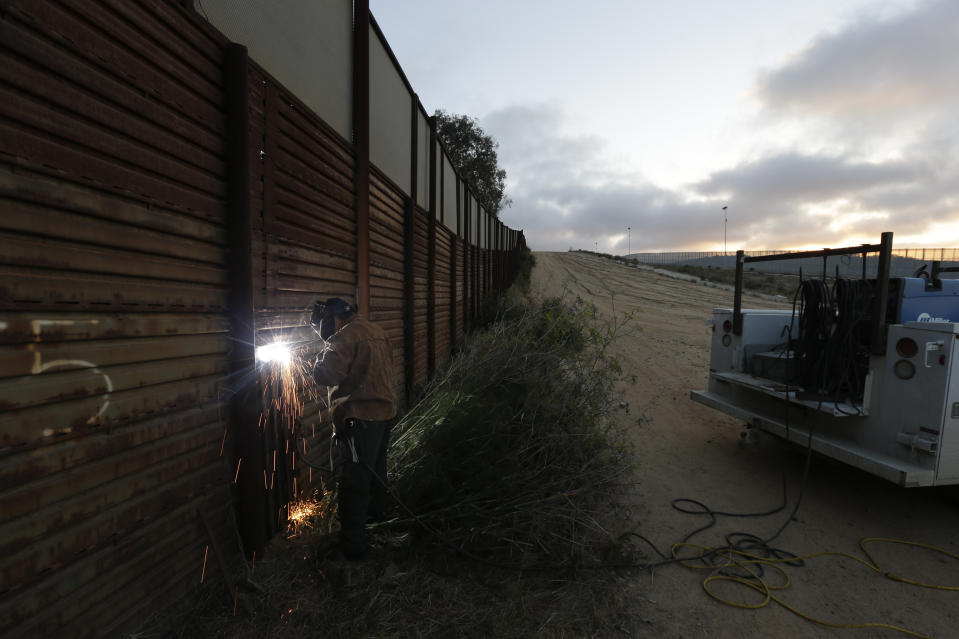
<point>881,94</point>
<point>874,105</point>
<point>794,178</point>
<point>874,69</point>
<point>794,199</point>
<point>566,193</point>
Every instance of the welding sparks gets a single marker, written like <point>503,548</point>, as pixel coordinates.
<point>302,513</point>
<point>203,572</point>
<point>287,385</point>
<point>276,353</point>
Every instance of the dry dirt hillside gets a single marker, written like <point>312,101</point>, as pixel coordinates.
<point>686,450</point>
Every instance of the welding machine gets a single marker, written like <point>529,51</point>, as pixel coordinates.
<point>861,370</point>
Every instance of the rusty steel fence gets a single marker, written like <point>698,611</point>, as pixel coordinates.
<point>168,202</point>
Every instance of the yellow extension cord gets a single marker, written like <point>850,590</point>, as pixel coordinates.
<point>743,560</point>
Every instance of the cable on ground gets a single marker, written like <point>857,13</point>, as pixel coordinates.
<point>751,569</point>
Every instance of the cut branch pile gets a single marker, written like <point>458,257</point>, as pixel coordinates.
<point>511,454</point>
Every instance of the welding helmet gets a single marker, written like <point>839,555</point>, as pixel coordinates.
<point>323,313</point>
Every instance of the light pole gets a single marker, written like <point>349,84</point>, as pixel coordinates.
<point>724,230</point>
<point>596,244</point>
<point>628,247</point>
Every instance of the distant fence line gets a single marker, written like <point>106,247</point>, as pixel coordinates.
<point>680,257</point>
<point>905,262</point>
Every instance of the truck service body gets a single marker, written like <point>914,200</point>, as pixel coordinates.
<point>871,384</point>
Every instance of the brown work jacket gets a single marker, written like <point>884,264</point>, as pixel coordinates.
<point>358,360</point>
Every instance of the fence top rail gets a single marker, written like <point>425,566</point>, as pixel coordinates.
<point>851,250</point>
<point>939,253</point>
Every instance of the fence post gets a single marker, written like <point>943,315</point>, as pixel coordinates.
<point>454,247</point>
<point>431,258</point>
<point>477,258</point>
<point>244,404</point>
<point>361,146</point>
<point>498,252</point>
<point>484,256</point>
<point>466,255</point>
<point>738,295</point>
<point>409,279</point>
<point>487,254</point>
<point>488,271</point>
<point>882,295</point>
<point>475,261</point>
<point>503,245</point>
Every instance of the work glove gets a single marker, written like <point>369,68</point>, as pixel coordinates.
<point>344,432</point>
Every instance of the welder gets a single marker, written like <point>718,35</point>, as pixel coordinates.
<point>357,360</point>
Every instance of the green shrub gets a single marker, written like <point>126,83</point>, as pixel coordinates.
<point>526,263</point>
<point>512,451</point>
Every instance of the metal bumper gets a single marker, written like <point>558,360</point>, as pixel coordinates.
<point>885,466</point>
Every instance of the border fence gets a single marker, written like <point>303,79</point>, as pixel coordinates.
<point>177,186</point>
<point>905,261</point>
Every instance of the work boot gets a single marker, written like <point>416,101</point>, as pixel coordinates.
<point>340,551</point>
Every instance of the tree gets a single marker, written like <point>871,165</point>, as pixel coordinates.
<point>473,153</point>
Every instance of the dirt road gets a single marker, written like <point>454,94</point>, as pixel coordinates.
<point>689,451</point>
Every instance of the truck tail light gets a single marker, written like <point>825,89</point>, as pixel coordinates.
<point>907,347</point>
<point>727,326</point>
<point>904,369</point>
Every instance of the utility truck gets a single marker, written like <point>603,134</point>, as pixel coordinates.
<point>863,369</point>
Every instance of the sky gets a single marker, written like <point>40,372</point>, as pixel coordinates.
<point>817,123</point>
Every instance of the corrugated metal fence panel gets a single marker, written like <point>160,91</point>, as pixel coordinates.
<point>256,83</point>
<point>113,335</point>
<point>483,255</point>
<point>303,199</point>
<point>114,339</point>
<point>483,273</point>
<point>442,291</point>
<point>308,204</point>
<point>487,272</point>
<point>421,301</point>
<point>461,272</point>
<point>387,207</point>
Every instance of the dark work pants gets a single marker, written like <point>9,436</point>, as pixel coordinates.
<point>361,494</point>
